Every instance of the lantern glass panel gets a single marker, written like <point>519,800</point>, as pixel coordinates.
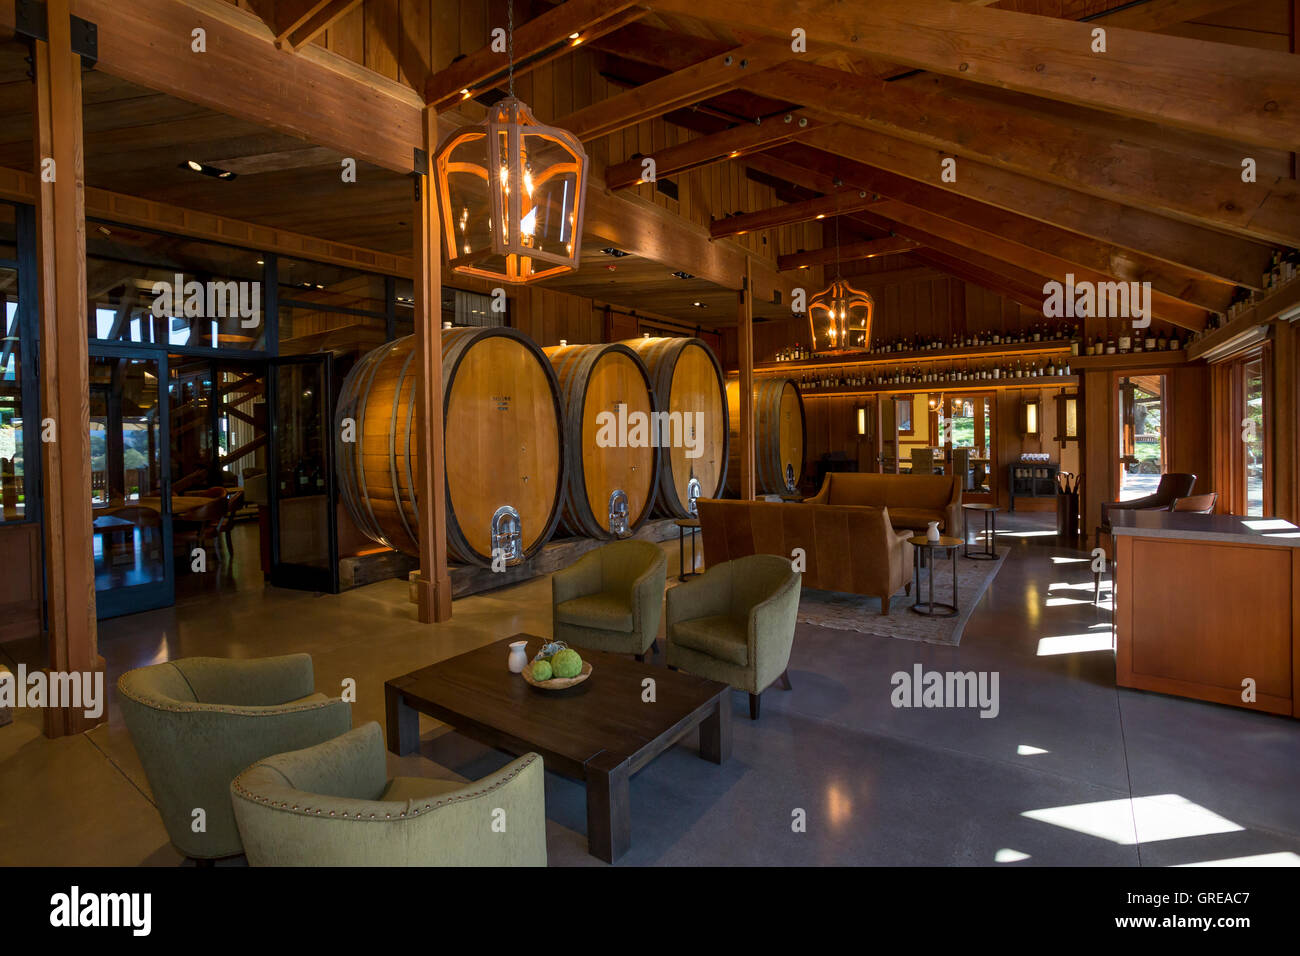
<point>840,319</point>
<point>466,205</point>
<point>548,206</point>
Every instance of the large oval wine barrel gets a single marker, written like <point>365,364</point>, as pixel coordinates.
<point>779,435</point>
<point>609,423</point>
<point>502,425</point>
<point>689,386</point>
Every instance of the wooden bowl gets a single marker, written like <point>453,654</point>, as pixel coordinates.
<point>556,683</point>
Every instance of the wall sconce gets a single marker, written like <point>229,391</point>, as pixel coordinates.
<point>1067,417</point>
<point>1030,417</point>
<point>862,420</point>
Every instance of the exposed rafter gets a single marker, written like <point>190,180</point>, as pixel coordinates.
<point>1160,180</point>
<point>1212,253</point>
<point>1249,95</point>
<point>705,150</point>
<point>849,252</point>
<point>684,87</point>
<point>814,170</point>
<point>837,203</point>
<point>538,41</point>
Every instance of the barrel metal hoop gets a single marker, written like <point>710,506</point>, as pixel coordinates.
<point>378,531</point>
<point>392,451</point>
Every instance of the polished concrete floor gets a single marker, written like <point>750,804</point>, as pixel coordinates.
<point>1072,771</point>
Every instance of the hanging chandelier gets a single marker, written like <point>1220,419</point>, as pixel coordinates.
<point>839,317</point>
<point>511,194</point>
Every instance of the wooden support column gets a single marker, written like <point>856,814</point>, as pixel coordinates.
<point>433,585</point>
<point>745,347</point>
<point>65,362</point>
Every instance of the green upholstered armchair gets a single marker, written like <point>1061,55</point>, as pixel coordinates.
<point>196,722</point>
<point>735,623</point>
<point>333,805</point>
<point>611,599</point>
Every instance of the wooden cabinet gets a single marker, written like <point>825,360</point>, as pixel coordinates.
<point>1209,618</point>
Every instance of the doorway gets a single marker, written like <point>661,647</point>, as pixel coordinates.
<point>131,513</point>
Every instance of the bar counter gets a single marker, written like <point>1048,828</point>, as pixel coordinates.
<point>1208,606</point>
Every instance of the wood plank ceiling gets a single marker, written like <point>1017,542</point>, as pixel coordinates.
<point>1105,178</point>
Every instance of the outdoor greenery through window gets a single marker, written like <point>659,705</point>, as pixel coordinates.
<point>1252,382</point>
<point>1141,434</point>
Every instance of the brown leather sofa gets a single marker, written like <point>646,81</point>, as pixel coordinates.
<point>845,549</point>
<point>913,500</point>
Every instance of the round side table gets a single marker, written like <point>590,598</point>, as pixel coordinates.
<point>927,548</point>
<point>989,551</point>
<point>683,526</point>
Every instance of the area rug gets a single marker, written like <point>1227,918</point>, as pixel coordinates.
<point>853,612</point>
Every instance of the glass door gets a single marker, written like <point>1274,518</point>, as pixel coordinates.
<point>304,531</point>
<point>966,431</point>
<point>131,512</point>
<point>1141,452</point>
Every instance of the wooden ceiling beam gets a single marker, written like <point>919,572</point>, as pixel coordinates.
<point>850,252</point>
<point>317,96</point>
<point>903,218</point>
<point>1211,253</point>
<point>538,41</point>
<point>723,71</point>
<point>814,169</point>
<point>705,150</point>
<point>1245,94</point>
<point>1019,293</point>
<point>837,203</point>
<point>297,22</point>
<point>1160,180</point>
<point>638,226</point>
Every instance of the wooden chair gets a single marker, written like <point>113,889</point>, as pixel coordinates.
<point>922,461</point>
<point>201,522</point>
<point>961,466</point>
<point>227,520</point>
<point>1197,504</point>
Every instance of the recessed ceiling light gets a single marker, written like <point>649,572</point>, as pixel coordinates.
<point>616,253</point>
<point>683,275</point>
<point>699,305</point>
<point>261,262</point>
<point>204,169</point>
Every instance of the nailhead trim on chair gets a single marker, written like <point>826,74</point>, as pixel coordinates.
<point>181,707</point>
<point>267,801</point>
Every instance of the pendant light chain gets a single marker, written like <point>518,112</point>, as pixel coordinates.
<point>510,41</point>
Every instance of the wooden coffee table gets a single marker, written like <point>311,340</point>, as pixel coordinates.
<point>600,732</point>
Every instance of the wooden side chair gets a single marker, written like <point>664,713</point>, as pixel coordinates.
<point>1197,504</point>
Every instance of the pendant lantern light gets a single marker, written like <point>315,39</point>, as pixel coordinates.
<point>511,194</point>
<point>839,317</point>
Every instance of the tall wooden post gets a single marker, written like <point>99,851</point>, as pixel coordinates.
<point>65,361</point>
<point>433,586</point>
<point>745,346</point>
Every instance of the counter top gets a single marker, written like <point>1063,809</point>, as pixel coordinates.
<point>1185,526</point>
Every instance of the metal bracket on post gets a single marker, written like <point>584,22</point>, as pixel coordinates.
<point>421,170</point>
<point>85,42</point>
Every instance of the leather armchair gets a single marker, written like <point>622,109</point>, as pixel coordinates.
<point>913,500</point>
<point>611,599</point>
<point>1173,485</point>
<point>852,549</point>
<point>735,623</point>
<point>198,721</point>
<point>334,805</point>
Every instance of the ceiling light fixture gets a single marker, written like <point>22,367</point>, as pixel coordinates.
<point>839,317</point>
<point>525,183</point>
<point>204,169</point>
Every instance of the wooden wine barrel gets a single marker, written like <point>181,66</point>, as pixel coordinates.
<point>689,383</point>
<point>612,466</point>
<point>779,435</point>
<point>502,424</point>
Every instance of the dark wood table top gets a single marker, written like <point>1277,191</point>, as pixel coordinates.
<point>605,715</point>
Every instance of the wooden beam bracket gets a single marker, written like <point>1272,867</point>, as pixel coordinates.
<point>31,22</point>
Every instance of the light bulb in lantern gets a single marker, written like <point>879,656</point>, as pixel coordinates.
<point>528,225</point>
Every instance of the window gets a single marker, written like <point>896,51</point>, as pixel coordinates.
<point>157,289</point>
<point>903,409</point>
<point>1142,416</point>
<point>1253,431</point>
